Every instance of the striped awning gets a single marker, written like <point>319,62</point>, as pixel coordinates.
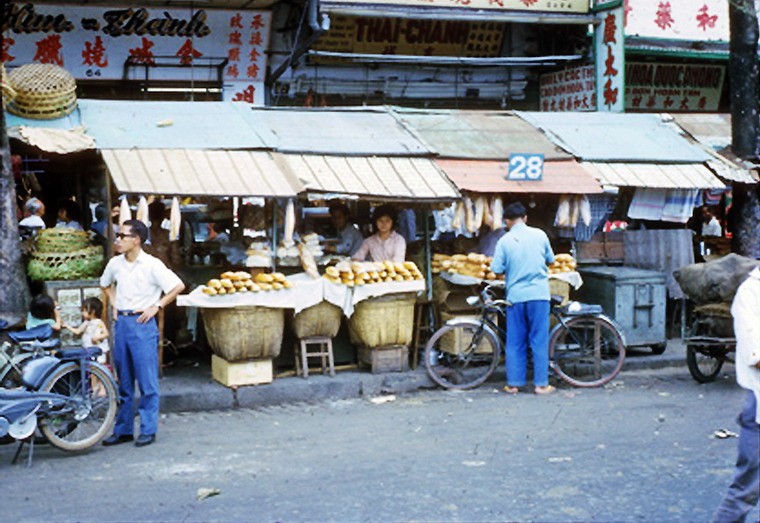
<point>654,176</point>
<point>199,172</point>
<point>380,177</point>
<point>486,176</point>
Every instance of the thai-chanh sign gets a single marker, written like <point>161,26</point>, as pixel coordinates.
<point>95,42</point>
<point>550,6</point>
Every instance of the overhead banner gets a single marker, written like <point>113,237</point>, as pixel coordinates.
<point>678,19</point>
<point>549,6</point>
<point>406,36</point>
<point>572,89</point>
<point>652,87</point>
<point>94,43</point>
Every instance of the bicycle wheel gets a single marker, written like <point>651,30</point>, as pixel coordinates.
<point>703,367</point>
<point>587,352</point>
<point>89,415</point>
<point>462,356</point>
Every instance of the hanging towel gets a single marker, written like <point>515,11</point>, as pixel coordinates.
<point>142,211</point>
<point>175,220</point>
<point>679,205</point>
<point>125,213</point>
<point>647,204</point>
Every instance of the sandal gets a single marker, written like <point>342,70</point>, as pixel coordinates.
<point>510,390</point>
<point>542,391</point>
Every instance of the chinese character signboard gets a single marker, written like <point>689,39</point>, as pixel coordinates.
<point>690,20</point>
<point>525,167</point>
<point>610,60</point>
<point>420,37</point>
<point>673,87</point>
<point>95,42</point>
<point>552,6</point>
<point>572,89</point>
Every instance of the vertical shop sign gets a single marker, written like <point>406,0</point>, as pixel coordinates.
<point>610,60</point>
<point>95,42</point>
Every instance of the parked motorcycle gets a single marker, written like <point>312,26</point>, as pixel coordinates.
<point>68,396</point>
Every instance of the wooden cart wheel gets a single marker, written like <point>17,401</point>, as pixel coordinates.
<point>704,368</point>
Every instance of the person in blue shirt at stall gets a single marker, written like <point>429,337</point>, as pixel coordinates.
<point>349,237</point>
<point>522,255</point>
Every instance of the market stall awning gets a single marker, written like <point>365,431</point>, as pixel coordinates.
<point>382,178</point>
<point>617,137</point>
<point>478,135</point>
<point>345,131</point>
<point>654,176</point>
<point>559,177</point>
<point>198,172</point>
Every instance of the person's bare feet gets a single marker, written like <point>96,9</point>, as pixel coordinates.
<point>542,391</point>
<point>510,390</point>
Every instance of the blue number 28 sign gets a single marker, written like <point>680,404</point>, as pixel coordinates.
<point>526,167</point>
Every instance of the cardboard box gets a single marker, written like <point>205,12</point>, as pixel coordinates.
<point>236,374</point>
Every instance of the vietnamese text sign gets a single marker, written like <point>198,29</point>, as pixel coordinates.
<point>552,6</point>
<point>673,87</point>
<point>572,89</point>
<point>525,167</point>
<point>95,42</point>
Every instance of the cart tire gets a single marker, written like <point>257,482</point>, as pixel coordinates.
<point>659,348</point>
<point>703,368</point>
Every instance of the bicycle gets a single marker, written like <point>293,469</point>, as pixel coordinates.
<point>586,348</point>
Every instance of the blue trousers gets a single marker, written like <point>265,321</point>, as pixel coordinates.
<point>528,326</point>
<point>135,356</point>
<point>744,491</point>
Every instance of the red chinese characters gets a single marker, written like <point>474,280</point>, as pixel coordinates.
<point>609,37</point>
<point>187,53</point>
<point>237,21</point>
<point>232,71</point>
<point>626,10</point>
<point>143,54</point>
<point>528,3</point>
<point>94,53</point>
<point>257,22</point>
<point>246,95</point>
<point>6,50</point>
<point>705,19</point>
<point>49,50</point>
<point>664,16</point>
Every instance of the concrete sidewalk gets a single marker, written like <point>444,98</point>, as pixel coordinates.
<point>186,389</point>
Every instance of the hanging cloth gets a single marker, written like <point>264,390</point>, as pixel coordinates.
<point>175,220</point>
<point>125,213</point>
<point>142,211</point>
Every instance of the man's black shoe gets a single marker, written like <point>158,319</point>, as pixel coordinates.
<point>116,439</point>
<point>145,439</point>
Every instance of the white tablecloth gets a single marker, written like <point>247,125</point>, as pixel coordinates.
<point>305,293</point>
<point>573,278</point>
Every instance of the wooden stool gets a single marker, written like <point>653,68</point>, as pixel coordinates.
<point>324,352</point>
<point>424,326</point>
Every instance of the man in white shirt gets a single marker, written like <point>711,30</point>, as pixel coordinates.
<point>138,286</point>
<point>710,224</point>
<point>34,210</point>
<point>744,491</point>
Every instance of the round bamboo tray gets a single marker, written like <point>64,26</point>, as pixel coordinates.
<point>43,91</point>
<point>244,333</point>
<point>77,265</point>
<point>61,239</point>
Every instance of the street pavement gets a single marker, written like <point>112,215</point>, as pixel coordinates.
<point>639,449</point>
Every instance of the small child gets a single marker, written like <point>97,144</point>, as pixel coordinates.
<point>92,329</point>
<point>43,311</point>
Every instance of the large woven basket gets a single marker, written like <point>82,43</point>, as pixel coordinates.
<point>43,91</point>
<point>559,288</point>
<point>454,342</point>
<point>61,239</point>
<point>76,265</point>
<point>383,321</point>
<point>322,319</point>
<point>244,333</point>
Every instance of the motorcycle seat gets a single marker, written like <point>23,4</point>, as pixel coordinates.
<point>79,353</point>
<point>38,333</point>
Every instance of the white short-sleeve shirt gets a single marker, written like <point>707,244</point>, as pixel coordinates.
<point>139,284</point>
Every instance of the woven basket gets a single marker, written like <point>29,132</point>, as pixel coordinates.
<point>43,91</point>
<point>77,265</point>
<point>244,333</point>
<point>454,342</point>
<point>9,93</point>
<point>322,319</point>
<point>559,288</point>
<point>61,239</point>
<point>383,321</point>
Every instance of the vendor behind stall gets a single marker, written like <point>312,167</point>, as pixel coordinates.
<point>349,237</point>
<point>69,215</point>
<point>386,244</point>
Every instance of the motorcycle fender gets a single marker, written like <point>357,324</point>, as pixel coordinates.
<point>36,371</point>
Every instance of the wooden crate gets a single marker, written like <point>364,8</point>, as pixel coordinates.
<point>453,342</point>
<point>393,358</point>
<point>236,374</point>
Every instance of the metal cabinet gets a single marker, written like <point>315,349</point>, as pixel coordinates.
<point>634,298</point>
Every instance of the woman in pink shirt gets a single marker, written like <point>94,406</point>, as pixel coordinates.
<point>386,244</point>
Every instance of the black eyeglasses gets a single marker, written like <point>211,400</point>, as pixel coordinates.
<point>122,235</point>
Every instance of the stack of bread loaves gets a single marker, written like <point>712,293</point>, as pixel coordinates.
<point>473,264</point>
<point>362,273</point>
<point>562,263</point>
<point>240,281</point>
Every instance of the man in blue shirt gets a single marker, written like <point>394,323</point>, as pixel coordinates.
<point>349,237</point>
<point>522,256</point>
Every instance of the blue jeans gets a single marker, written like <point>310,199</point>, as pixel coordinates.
<point>528,326</point>
<point>135,356</point>
<point>744,491</point>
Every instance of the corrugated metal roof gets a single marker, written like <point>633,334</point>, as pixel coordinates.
<point>478,135</point>
<point>197,172</point>
<point>337,131</point>
<point>654,176</point>
<point>172,125</point>
<point>617,137</point>
<point>387,178</point>
<point>484,176</point>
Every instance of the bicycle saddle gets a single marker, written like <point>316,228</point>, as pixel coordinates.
<point>79,353</point>
<point>38,333</point>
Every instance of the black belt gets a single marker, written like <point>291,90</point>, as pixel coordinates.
<point>128,313</point>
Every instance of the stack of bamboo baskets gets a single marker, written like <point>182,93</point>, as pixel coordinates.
<point>41,91</point>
